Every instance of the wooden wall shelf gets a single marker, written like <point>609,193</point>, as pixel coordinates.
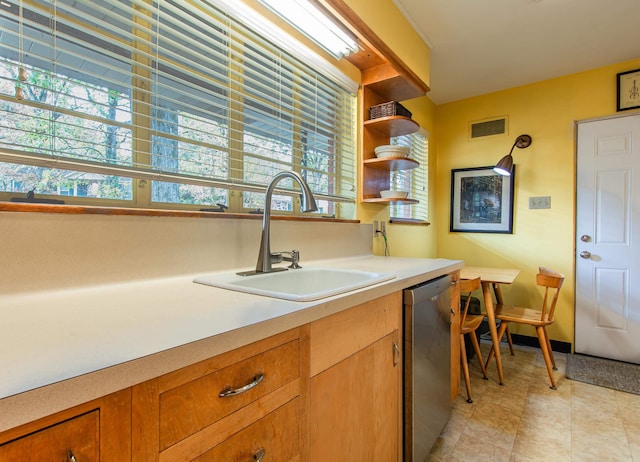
<point>378,132</point>
<point>393,125</point>
<point>397,87</point>
<point>392,163</point>
<point>385,77</point>
<point>387,201</point>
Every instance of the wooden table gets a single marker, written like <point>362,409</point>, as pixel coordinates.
<point>492,278</point>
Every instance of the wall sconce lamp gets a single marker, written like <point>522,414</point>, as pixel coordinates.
<point>505,165</point>
<point>314,22</point>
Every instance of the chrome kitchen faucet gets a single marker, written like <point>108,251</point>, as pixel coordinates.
<point>265,257</point>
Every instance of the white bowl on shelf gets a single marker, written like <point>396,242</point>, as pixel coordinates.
<point>387,194</point>
<point>391,150</point>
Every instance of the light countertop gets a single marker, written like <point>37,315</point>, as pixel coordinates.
<point>62,348</point>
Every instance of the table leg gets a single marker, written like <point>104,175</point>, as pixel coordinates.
<point>498,292</point>
<point>488,304</point>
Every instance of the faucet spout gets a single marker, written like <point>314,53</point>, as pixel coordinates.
<point>308,204</point>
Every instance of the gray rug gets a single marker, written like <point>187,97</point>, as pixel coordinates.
<point>604,373</point>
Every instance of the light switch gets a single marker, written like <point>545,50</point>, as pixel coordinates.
<point>540,202</point>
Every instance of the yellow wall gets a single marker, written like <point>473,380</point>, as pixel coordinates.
<point>547,111</point>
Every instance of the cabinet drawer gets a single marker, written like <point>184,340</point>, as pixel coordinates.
<point>79,435</point>
<point>276,434</point>
<point>190,407</point>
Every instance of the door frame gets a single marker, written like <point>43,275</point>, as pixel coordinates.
<point>575,206</point>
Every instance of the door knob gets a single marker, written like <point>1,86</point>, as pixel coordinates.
<point>585,254</point>
<point>585,238</point>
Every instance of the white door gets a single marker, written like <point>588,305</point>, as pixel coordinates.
<point>608,239</point>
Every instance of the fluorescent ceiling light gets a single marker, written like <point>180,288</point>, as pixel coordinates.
<point>315,24</point>
<point>262,26</point>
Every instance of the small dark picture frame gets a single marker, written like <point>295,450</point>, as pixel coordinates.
<point>481,201</point>
<point>628,90</point>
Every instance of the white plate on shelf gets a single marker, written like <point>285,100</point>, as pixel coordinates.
<point>391,151</point>
<point>387,194</point>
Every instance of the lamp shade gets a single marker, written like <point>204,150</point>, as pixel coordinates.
<point>504,165</point>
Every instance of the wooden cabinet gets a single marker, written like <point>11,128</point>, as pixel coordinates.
<point>356,383</point>
<point>325,391</point>
<point>230,407</point>
<point>95,431</point>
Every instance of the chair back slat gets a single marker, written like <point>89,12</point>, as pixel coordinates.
<point>468,286</point>
<point>549,279</point>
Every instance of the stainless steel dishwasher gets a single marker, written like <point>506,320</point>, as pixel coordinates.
<point>427,365</point>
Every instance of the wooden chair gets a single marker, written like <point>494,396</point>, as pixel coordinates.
<point>468,325</point>
<point>540,319</point>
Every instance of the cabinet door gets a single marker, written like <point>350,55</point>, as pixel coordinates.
<point>76,438</point>
<point>99,430</point>
<point>354,406</point>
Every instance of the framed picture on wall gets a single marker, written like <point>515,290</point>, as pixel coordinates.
<point>628,96</point>
<point>481,201</point>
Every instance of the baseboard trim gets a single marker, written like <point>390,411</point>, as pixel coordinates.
<point>556,345</point>
<point>526,340</point>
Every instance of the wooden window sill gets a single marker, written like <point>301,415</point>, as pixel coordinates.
<point>97,210</point>
<point>408,221</point>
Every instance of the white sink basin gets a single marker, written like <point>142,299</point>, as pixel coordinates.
<point>300,285</point>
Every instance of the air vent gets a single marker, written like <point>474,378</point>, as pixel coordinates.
<point>488,128</point>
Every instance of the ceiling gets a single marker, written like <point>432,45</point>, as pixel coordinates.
<point>482,46</point>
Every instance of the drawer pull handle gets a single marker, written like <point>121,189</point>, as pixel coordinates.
<point>259,455</point>
<point>236,391</point>
<point>71,457</point>
<point>396,356</point>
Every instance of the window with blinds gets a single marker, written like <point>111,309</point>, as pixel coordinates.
<point>415,181</point>
<point>163,104</point>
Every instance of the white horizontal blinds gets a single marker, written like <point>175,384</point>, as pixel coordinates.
<point>294,118</point>
<point>415,180</point>
<point>189,56</point>
<point>175,92</point>
<point>65,111</point>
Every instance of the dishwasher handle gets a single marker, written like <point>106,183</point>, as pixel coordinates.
<point>430,290</point>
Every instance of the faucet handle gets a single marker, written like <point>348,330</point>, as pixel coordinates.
<point>294,258</point>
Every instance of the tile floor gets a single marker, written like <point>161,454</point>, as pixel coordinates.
<point>525,420</point>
